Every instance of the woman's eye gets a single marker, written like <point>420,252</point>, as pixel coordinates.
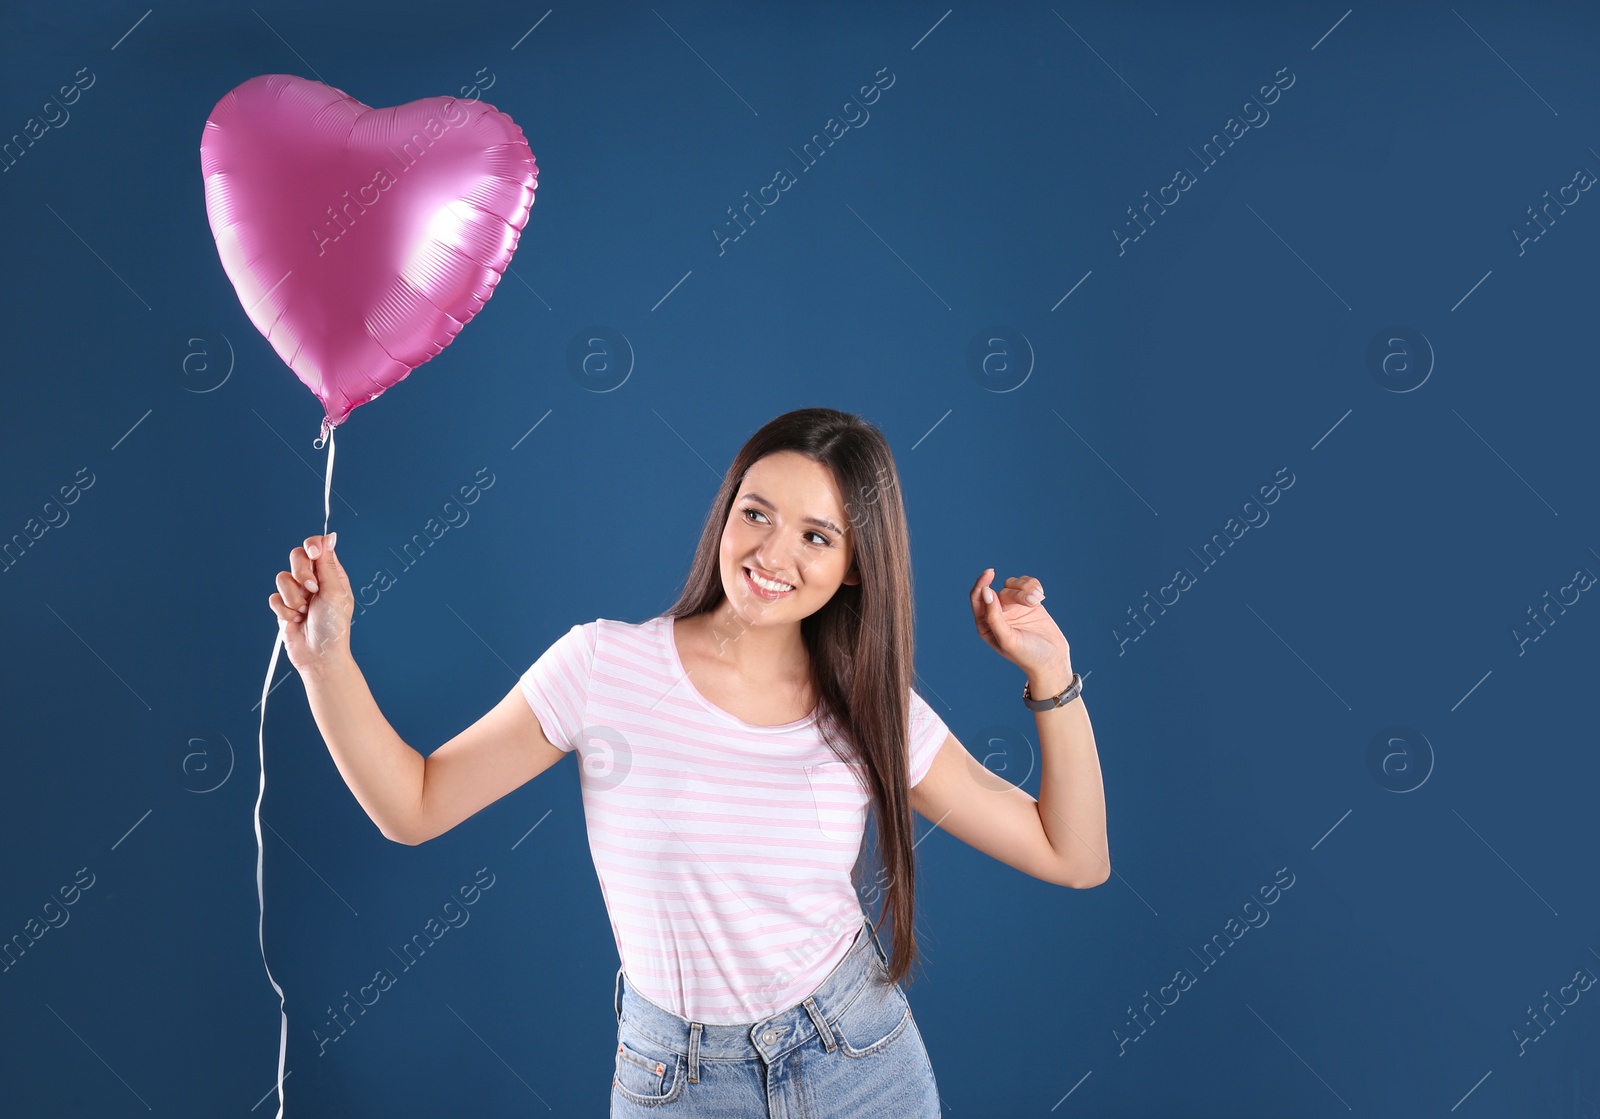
<point>822,541</point>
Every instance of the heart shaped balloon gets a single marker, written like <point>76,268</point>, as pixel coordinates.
<point>360,240</point>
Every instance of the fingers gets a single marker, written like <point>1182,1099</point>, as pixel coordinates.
<point>977,596</point>
<point>1019,588</point>
<point>294,596</point>
<point>300,562</point>
<point>300,569</point>
<point>299,583</point>
<point>1027,588</point>
<point>301,559</point>
<point>284,613</point>
<point>988,604</point>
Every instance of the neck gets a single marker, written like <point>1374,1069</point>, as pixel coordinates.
<point>756,652</point>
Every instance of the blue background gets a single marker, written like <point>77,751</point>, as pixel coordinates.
<point>1098,445</point>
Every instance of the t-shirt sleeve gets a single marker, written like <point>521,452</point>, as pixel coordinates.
<point>556,685</point>
<point>928,734</point>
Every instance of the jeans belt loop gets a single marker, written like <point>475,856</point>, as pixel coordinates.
<point>823,1029</point>
<point>694,1052</point>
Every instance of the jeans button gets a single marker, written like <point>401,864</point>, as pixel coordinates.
<point>770,1036</point>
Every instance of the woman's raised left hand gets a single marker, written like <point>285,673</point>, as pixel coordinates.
<point>1018,629</point>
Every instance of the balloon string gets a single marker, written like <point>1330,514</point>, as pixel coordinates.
<point>283,1032</point>
<point>261,741</point>
<point>327,484</point>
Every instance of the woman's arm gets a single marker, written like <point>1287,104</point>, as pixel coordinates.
<point>410,798</point>
<point>1072,796</point>
<point>383,772</point>
<point>1061,837</point>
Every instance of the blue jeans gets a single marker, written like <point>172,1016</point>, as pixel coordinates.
<point>849,1049</point>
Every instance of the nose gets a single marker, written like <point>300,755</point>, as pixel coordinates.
<point>773,564</point>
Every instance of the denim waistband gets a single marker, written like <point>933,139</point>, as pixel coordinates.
<point>768,1038</point>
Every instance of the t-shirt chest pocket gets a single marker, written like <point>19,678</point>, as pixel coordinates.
<point>834,795</point>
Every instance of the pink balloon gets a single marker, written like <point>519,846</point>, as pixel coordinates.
<point>360,240</point>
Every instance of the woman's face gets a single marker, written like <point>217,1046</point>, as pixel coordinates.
<point>773,532</point>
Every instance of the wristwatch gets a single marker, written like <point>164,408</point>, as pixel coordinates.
<point>1061,699</point>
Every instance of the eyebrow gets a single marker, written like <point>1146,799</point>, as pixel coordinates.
<point>820,522</point>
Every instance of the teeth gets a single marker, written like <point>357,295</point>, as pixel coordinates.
<point>765,584</point>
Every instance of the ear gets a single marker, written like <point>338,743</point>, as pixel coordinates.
<point>853,576</point>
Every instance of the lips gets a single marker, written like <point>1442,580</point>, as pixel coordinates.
<point>759,592</point>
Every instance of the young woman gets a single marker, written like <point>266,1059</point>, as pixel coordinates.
<point>730,748</point>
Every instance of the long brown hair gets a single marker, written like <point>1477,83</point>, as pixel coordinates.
<point>860,643</point>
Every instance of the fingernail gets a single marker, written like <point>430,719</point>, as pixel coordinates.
<point>988,595</point>
<point>333,538</point>
<point>1035,599</point>
<point>312,550</point>
<point>311,585</point>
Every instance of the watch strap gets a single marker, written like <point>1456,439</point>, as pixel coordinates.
<point>1071,692</point>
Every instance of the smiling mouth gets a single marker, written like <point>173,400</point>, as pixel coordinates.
<point>761,592</point>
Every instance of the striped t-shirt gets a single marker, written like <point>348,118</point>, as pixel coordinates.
<point>723,849</point>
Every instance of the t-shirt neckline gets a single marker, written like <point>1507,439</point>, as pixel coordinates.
<point>666,626</point>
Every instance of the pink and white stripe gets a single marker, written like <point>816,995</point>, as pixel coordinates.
<point>723,849</point>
